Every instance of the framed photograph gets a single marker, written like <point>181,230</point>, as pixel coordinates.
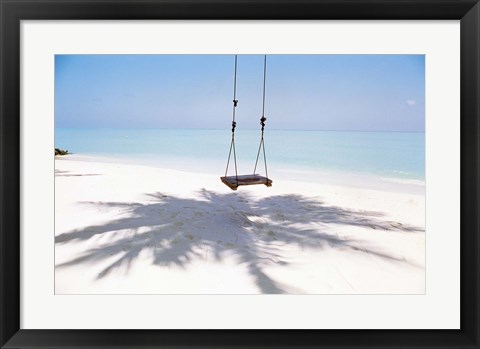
<point>239,174</point>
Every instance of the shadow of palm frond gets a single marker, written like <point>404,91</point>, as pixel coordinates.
<point>176,231</point>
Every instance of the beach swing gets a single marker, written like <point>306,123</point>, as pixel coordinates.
<point>233,182</point>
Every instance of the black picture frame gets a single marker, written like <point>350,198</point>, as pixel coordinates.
<point>13,11</point>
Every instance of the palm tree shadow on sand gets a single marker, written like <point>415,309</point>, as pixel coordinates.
<point>177,231</point>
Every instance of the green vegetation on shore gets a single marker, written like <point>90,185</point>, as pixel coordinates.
<point>60,151</point>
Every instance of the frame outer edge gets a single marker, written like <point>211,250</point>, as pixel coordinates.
<point>241,9</point>
<point>470,179</point>
<point>10,174</point>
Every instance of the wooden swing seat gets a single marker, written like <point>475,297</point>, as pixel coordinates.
<point>231,181</point>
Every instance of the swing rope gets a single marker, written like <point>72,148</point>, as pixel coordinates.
<point>262,122</point>
<point>234,124</point>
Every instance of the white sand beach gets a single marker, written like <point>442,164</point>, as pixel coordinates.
<point>131,229</point>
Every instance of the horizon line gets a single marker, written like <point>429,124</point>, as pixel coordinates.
<point>228,129</point>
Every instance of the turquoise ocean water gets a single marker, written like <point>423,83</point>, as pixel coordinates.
<point>390,156</point>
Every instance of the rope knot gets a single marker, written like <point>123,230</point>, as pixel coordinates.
<point>262,122</point>
<point>235,102</point>
<point>234,124</point>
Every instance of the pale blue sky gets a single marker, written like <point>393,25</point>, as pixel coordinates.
<point>317,92</point>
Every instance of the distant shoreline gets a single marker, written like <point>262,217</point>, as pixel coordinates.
<point>325,177</point>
